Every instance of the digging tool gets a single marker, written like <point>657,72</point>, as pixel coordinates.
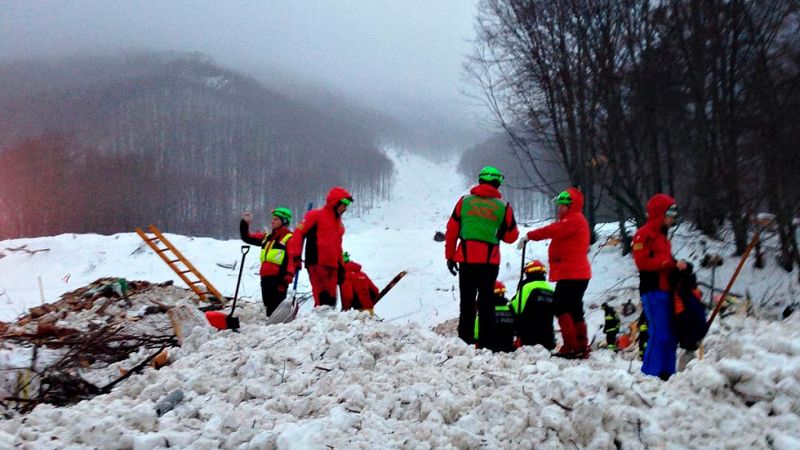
<point>517,342</point>
<point>764,221</point>
<point>295,303</point>
<point>522,268</point>
<point>735,275</point>
<point>389,286</point>
<point>232,322</point>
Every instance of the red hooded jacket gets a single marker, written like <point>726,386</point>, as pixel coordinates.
<point>569,252</point>
<point>478,252</point>
<point>652,251</point>
<point>357,285</point>
<point>322,228</point>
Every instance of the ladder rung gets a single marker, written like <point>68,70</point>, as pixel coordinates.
<point>174,260</point>
<point>185,271</point>
<point>153,238</point>
<point>196,282</point>
<point>162,250</point>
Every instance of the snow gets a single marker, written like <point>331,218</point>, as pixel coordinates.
<point>348,380</point>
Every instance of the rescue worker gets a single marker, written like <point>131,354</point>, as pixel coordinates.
<point>610,326</point>
<point>479,222</point>
<point>322,230</point>
<point>644,335</point>
<point>533,306</point>
<point>504,319</point>
<point>652,253</point>
<point>358,291</point>
<point>569,269</point>
<point>276,272</point>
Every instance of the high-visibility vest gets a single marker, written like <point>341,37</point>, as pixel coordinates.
<point>481,217</point>
<point>545,289</point>
<point>275,251</point>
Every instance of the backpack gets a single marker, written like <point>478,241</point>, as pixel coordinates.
<point>690,313</point>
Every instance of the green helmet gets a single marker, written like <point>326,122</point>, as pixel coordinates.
<point>282,213</point>
<point>489,174</point>
<point>346,257</point>
<point>564,198</point>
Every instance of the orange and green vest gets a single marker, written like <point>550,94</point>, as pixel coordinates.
<point>481,217</point>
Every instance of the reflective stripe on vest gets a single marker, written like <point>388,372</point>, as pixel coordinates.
<point>498,309</point>
<point>481,217</point>
<point>275,252</point>
<point>527,288</point>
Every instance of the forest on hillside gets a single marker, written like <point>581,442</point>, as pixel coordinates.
<point>517,187</point>
<point>698,99</point>
<point>107,144</point>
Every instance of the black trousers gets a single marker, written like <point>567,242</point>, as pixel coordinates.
<point>536,322</point>
<point>476,286</point>
<point>568,298</point>
<point>273,291</point>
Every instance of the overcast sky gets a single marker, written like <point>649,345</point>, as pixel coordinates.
<point>376,50</point>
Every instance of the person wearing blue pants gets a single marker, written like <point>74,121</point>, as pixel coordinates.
<point>652,253</point>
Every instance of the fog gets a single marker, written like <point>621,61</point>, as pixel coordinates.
<point>399,56</point>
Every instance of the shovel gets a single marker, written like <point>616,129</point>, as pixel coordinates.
<point>232,322</point>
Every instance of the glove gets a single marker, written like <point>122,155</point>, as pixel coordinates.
<point>452,266</point>
<point>340,275</point>
<point>522,241</point>
<point>287,279</point>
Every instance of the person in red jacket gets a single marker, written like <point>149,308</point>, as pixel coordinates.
<point>479,222</point>
<point>569,269</point>
<point>322,230</point>
<point>276,272</point>
<point>358,291</point>
<point>652,253</point>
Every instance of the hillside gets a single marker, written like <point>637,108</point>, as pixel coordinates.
<point>192,143</point>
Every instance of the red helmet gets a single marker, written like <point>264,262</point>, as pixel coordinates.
<point>499,288</point>
<point>535,266</point>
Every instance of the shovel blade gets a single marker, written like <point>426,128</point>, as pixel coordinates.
<point>232,323</point>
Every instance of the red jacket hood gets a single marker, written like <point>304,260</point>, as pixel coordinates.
<point>577,201</point>
<point>335,195</point>
<point>657,206</point>
<point>352,266</point>
<point>485,190</point>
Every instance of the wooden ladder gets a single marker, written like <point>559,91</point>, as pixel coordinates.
<point>173,258</point>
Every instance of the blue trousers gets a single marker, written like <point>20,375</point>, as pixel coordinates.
<point>659,356</point>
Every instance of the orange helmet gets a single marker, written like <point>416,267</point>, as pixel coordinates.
<point>535,266</point>
<point>499,288</point>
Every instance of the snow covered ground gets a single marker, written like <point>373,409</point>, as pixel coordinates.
<point>348,381</point>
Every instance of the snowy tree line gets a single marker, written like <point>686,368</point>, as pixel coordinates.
<point>528,204</point>
<point>185,145</point>
<point>696,98</point>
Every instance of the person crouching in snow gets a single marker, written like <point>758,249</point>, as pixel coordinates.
<point>322,230</point>
<point>276,272</point>
<point>358,291</point>
<point>504,319</point>
<point>533,306</point>
<point>610,326</point>
<point>479,222</point>
<point>569,268</point>
<point>652,253</point>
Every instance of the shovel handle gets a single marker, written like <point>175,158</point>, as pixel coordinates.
<point>245,249</point>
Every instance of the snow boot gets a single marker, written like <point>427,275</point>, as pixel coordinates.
<point>569,334</point>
